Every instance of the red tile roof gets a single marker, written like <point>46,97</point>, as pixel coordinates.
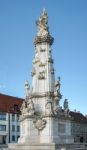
<point>10,103</point>
<point>78,117</point>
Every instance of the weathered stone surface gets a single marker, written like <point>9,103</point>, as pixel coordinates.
<point>51,146</point>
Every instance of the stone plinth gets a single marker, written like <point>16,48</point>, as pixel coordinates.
<point>44,146</point>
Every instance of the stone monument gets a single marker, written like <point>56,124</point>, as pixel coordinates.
<point>43,122</point>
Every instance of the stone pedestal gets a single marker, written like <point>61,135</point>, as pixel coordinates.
<point>29,134</point>
<point>45,130</point>
<point>43,146</point>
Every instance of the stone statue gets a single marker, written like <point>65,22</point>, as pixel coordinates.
<point>27,108</point>
<point>57,85</point>
<point>30,107</point>
<point>48,108</point>
<point>66,107</point>
<point>23,108</point>
<point>37,57</point>
<point>33,71</point>
<point>58,109</point>
<point>27,90</point>
<point>42,24</point>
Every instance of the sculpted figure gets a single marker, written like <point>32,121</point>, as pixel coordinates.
<point>57,85</point>
<point>58,109</point>
<point>36,57</point>
<point>33,71</point>
<point>30,107</point>
<point>66,105</point>
<point>49,109</point>
<point>27,89</point>
<point>42,24</point>
<point>23,108</point>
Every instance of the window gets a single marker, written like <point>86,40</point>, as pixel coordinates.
<point>18,137</point>
<point>2,139</point>
<point>17,117</point>
<point>61,128</point>
<point>18,128</point>
<point>13,128</point>
<point>13,138</point>
<point>13,117</point>
<point>2,127</point>
<point>2,116</point>
<point>15,107</point>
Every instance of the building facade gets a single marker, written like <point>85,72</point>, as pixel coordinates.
<point>9,118</point>
<point>78,127</point>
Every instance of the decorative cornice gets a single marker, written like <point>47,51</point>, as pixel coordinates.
<point>45,94</point>
<point>41,39</point>
<point>25,117</point>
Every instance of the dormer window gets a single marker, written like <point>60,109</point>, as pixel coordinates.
<point>15,107</point>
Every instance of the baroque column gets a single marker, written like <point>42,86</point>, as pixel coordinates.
<point>41,114</point>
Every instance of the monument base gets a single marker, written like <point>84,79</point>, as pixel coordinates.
<point>51,146</point>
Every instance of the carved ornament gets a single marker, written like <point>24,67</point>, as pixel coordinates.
<point>40,124</point>
<point>36,60</point>
<point>33,72</point>
<point>42,50</point>
<point>52,71</point>
<point>41,75</point>
<point>50,60</point>
<point>42,64</point>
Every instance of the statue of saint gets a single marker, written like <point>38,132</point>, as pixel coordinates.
<point>66,107</point>
<point>23,108</point>
<point>57,85</point>
<point>27,90</point>
<point>30,107</point>
<point>49,108</point>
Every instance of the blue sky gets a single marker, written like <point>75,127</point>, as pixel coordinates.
<point>68,26</point>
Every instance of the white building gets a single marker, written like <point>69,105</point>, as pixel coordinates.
<point>9,118</point>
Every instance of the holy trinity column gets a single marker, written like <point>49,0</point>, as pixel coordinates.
<point>41,112</point>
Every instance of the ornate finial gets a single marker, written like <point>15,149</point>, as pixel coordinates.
<point>43,34</point>
<point>42,24</point>
<point>44,11</point>
<point>27,89</point>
